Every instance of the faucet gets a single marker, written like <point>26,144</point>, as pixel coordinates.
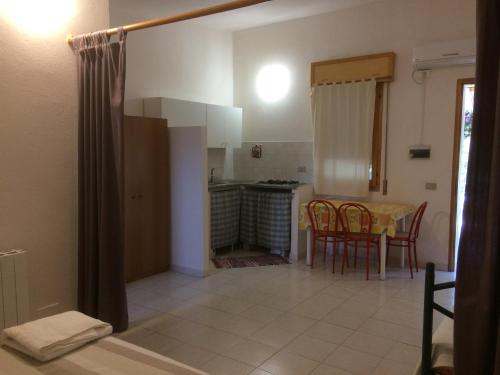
<point>212,170</point>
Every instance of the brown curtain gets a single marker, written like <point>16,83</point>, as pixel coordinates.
<point>101,83</point>
<point>477,304</point>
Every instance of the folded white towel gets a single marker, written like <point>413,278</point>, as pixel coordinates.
<point>48,338</point>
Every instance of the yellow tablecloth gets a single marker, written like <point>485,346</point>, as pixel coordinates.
<point>384,215</point>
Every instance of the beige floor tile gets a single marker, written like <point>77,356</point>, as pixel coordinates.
<point>328,370</point>
<point>161,322</point>
<point>251,352</point>
<point>138,313</point>
<point>232,305</point>
<point>318,306</point>
<point>280,302</point>
<point>191,355</point>
<point>179,278</point>
<point>208,316</point>
<point>226,366</point>
<point>275,337</point>
<point>185,307</point>
<point>261,313</point>
<point>184,330</point>
<point>346,318</point>
<point>411,336</point>
<point>374,301</point>
<point>329,332</point>
<point>369,344</point>
<point>360,307</point>
<point>134,335</point>
<point>284,363</point>
<point>338,291</point>
<point>209,299</point>
<point>215,340</point>
<point>310,348</point>
<point>162,303</point>
<point>353,361</point>
<point>234,290</point>
<point>388,367</point>
<point>241,326</point>
<point>273,306</point>
<point>404,353</point>
<point>403,305</point>
<point>407,319</point>
<point>292,322</point>
<point>382,329</point>
<point>164,289</point>
<point>185,293</point>
<point>212,282</point>
<point>158,343</point>
<point>140,296</point>
<point>259,371</point>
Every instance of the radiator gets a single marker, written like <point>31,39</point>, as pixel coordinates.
<point>14,302</point>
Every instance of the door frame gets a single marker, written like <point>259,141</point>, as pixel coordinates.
<point>455,166</point>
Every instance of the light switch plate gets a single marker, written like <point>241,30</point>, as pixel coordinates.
<point>430,186</point>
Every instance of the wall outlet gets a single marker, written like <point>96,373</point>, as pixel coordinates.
<point>302,169</point>
<point>430,186</point>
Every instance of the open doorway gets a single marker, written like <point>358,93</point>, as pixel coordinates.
<point>463,128</point>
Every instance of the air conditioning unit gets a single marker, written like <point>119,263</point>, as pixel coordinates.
<point>440,55</point>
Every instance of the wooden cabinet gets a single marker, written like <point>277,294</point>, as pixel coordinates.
<point>224,123</point>
<point>146,199</point>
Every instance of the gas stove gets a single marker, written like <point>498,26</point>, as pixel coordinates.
<point>278,182</point>
<point>273,184</point>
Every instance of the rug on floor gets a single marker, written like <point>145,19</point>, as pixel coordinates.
<point>250,261</point>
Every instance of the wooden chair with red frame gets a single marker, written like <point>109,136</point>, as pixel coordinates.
<point>357,221</point>
<point>325,222</point>
<point>408,239</point>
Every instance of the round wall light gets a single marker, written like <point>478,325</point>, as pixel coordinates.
<point>273,82</point>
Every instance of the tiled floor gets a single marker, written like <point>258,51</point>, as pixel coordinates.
<point>287,319</point>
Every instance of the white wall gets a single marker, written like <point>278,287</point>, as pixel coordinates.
<point>189,238</point>
<point>38,151</point>
<point>389,25</point>
<point>182,61</point>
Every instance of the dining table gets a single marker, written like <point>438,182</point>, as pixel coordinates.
<point>386,217</point>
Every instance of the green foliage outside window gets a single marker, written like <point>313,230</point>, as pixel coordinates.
<point>467,123</point>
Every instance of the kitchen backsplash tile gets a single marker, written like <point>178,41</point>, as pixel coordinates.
<point>280,160</point>
<point>216,159</point>
<point>222,160</point>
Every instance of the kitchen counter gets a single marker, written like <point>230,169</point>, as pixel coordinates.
<point>254,185</point>
<point>230,185</point>
<point>223,186</point>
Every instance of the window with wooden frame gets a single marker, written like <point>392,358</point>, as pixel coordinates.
<point>378,66</point>
<point>376,165</point>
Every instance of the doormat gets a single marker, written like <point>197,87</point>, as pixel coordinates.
<point>252,261</point>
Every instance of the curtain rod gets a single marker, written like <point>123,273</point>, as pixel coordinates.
<point>219,8</point>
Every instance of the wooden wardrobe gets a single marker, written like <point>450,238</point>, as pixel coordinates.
<point>147,222</point>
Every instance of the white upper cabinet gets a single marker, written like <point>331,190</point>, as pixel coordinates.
<point>216,126</point>
<point>177,112</point>
<point>234,126</point>
<point>223,126</point>
<point>223,123</point>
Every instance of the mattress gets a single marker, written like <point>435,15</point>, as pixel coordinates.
<point>442,348</point>
<point>108,356</point>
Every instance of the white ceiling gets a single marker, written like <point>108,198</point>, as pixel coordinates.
<point>256,15</point>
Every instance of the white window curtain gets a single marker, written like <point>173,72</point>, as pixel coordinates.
<point>343,126</point>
